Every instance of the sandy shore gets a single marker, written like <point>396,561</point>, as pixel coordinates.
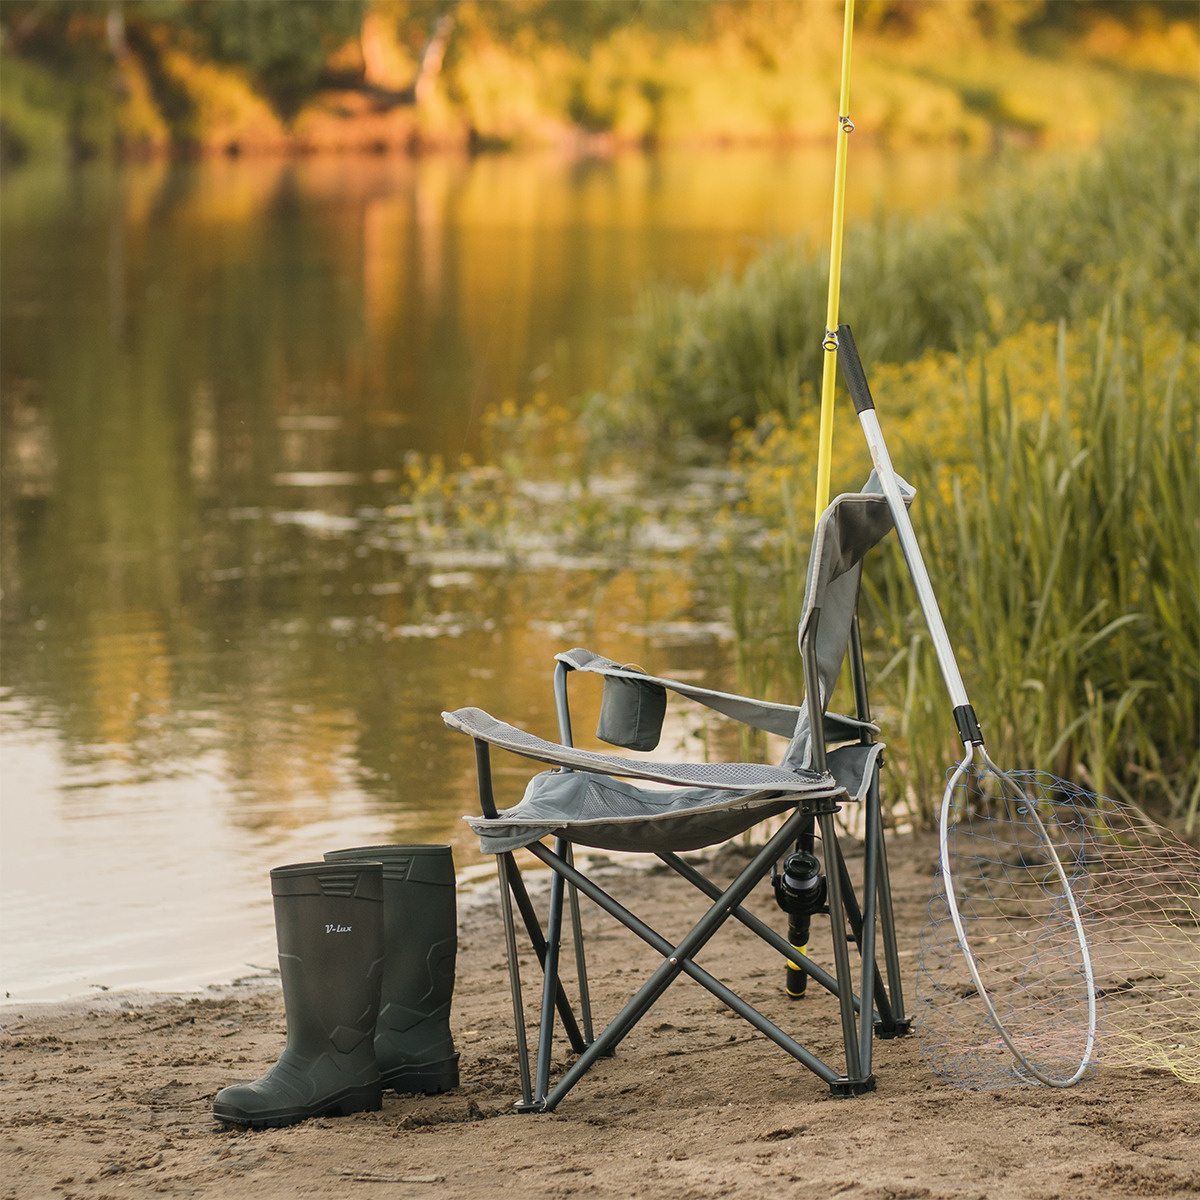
<point>111,1097</point>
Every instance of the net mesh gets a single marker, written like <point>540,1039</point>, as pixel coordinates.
<point>1137,888</point>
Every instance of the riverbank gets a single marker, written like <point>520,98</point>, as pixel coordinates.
<point>112,1098</point>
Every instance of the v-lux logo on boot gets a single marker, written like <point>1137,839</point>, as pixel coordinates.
<point>339,928</point>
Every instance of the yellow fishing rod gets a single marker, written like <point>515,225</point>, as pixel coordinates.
<point>829,372</point>
<point>800,887</point>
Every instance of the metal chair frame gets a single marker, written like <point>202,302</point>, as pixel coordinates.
<point>876,1009</point>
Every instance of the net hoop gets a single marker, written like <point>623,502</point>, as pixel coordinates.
<point>961,933</point>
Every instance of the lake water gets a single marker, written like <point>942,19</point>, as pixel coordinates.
<point>223,649</point>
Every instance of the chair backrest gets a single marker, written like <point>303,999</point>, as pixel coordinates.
<point>853,524</point>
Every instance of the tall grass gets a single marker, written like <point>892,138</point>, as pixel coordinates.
<point>1065,550</point>
<point>1038,372</point>
<point>1057,246</point>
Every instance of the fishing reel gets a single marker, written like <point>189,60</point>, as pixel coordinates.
<point>800,890</point>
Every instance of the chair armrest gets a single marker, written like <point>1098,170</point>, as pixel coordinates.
<point>767,715</point>
<point>734,777</point>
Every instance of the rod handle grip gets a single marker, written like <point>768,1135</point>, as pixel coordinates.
<point>852,369</point>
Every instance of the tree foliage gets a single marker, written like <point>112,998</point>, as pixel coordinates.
<point>283,46</point>
<point>605,66</point>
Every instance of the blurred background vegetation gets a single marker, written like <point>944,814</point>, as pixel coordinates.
<point>89,77</point>
<point>1035,354</point>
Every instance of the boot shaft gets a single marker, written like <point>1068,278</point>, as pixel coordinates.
<point>420,920</point>
<point>329,925</point>
<point>413,1041</point>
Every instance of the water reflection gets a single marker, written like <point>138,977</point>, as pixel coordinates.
<point>220,651</point>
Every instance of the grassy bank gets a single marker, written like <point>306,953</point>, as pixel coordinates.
<point>81,77</point>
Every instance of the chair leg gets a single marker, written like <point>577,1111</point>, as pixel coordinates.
<point>585,996</point>
<point>855,1081</point>
<point>895,1023</point>
<point>679,960</point>
<point>550,982</point>
<point>511,882</point>
<point>563,710</point>
<point>854,916</point>
<point>505,866</point>
<point>871,982</point>
<point>889,998</point>
<point>546,948</point>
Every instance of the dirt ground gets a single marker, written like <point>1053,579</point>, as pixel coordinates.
<point>112,1097</point>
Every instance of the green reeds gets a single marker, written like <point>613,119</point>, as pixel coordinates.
<point>1060,520</point>
<point>1068,568</point>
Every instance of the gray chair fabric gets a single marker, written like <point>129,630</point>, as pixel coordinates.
<point>852,525</point>
<point>612,814</point>
<point>767,715</point>
<point>586,800</point>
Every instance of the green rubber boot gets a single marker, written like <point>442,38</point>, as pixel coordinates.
<point>413,1044</point>
<point>329,926</point>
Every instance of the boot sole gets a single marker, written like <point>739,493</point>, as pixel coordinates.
<point>342,1105</point>
<point>427,1079</point>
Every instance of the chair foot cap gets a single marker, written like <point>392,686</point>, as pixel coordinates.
<point>844,1088</point>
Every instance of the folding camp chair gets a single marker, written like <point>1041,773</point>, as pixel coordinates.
<point>588,800</point>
